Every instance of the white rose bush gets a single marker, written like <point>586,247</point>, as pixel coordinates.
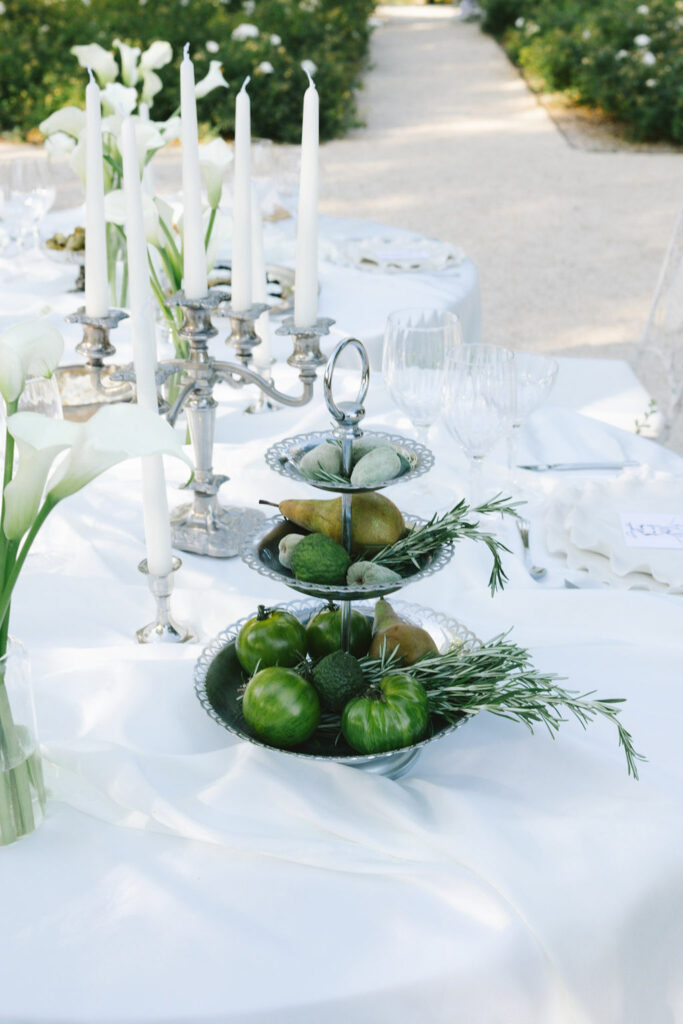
<point>624,57</point>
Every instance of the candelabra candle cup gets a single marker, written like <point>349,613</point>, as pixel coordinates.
<point>164,629</point>
<point>306,354</point>
<point>85,387</point>
<point>96,345</point>
<point>243,336</point>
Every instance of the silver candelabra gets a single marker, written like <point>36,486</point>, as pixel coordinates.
<point>204,526</point>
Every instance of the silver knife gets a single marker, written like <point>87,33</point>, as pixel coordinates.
<point>544,467</point>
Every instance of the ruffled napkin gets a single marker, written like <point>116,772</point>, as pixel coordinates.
<point>602,527</point>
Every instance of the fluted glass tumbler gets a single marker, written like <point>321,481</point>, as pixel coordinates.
<point>416,345</point>
<point>479,402</point>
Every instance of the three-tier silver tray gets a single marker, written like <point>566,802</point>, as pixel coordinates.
<point>219,678</point>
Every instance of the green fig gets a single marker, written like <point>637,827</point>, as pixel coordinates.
<point>324,456</point>
<point>376,467</point>
<point>392,632</point>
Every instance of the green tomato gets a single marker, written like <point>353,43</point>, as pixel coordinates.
<point>281,707</point>
<point>323,633</point>
<point>395,714</point>
<point>271,637</point>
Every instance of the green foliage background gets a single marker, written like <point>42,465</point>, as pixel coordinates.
<point>588,49</point>
<point>38,74</point>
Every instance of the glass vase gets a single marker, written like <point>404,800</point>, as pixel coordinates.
<point>22,791</point>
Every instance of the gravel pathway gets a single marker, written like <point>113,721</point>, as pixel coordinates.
<point>569,241</point>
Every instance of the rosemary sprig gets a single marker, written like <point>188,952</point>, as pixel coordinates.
<point>498,677</point>
<point>325,477</point>
<point>426,540</point>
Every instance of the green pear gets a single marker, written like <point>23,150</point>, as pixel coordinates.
<point>375,521</point>
<point>391,632</point>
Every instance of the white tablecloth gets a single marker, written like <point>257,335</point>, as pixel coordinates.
<point>182,876</point>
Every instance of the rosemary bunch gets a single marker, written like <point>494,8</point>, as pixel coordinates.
<point>498,676</point>
<point>426,540</point>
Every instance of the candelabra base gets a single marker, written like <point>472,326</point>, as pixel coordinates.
<point>212,529</point>
<point>164,629</point>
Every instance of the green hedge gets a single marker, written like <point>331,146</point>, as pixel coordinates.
<point>38,74</point>
<point>622,56</point>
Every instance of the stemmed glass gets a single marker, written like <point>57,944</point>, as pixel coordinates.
<point>26,194</point>
<point>536,375</point>
<point>478,403</point>
<point>416,345</point>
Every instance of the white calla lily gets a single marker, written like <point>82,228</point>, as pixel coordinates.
<point>214,159</point>
<point>69,120</point>
<point>115,433</point>
<point>129,62</point>
<point>212,80</point>
<point>119,99</point>
<point>31,348</point>
<point>77,159</point>
<point>151,85</point>
<point>165,214</point>
<point>39,440</point>
<point>148,138</point>
<point>115,213</point>
<point>59,145</point>
<point>100,60</point>
<point>222,228</point>
<point>157,55</point>
<point>169,130</point>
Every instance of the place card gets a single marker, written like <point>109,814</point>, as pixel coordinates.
<point>652,529</point>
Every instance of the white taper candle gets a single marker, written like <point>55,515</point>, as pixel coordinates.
<point>194,254</point>
<point>96,280</point>
<point>241,205</point>
<point>142,317</point>
<point>259,283</point>
<point>306,283</point>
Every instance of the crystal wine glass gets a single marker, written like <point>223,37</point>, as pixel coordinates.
<point>479,400</point>
<point>535,374</point>
<point>27,192</point>
<point>416,345</point>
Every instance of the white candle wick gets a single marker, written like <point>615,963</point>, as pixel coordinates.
<point>186,51</point>
<point>90,74</point>
<point>245,83</point>
<point>310,80</point>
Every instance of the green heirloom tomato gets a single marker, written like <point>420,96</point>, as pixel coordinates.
<point>271,637</point>
<point>323,633</point>
<point>392,715</point>
<point>281,707</point>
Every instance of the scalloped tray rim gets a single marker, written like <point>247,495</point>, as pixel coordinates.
<point>275,454</point>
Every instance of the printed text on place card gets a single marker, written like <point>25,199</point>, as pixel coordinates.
<point>652,529</point>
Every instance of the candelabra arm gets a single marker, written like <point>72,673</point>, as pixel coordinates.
<point>236,375</point>
<point>181,398</point>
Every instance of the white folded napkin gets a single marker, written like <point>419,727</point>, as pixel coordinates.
<point>609,527</point>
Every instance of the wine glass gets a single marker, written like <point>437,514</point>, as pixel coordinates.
<point>536,375</point>
<point>41,394</point>
<point>416,345</point>
<point>479,402</point>
<point>27,194</point>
